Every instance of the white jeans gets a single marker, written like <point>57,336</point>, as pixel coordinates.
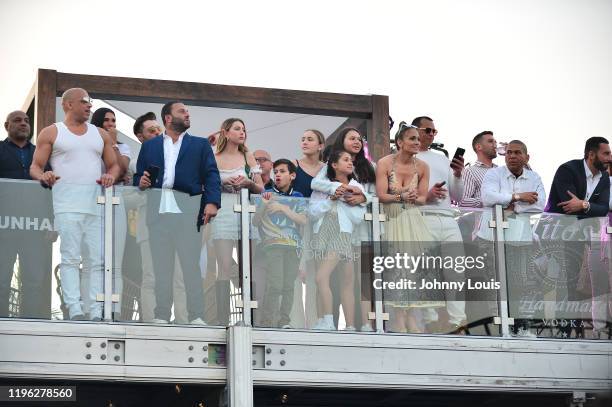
<point>445,229</point>
<point>81,237</point>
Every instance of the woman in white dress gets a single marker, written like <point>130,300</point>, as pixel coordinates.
<point>238,169</point>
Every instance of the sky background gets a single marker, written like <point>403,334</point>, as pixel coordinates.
<point>536,70</point>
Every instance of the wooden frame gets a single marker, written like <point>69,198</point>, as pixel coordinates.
<point>375,108</point>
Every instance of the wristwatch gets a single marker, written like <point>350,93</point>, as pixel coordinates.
<point>586,205</point>
<point>516,197</point>
<point>398,198</point>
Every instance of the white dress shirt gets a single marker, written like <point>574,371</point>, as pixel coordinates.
<point>167,203</point>
<point>498,186</point>
<point>591,181</point>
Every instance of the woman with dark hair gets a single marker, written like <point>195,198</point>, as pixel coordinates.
<point>238,169</point>
<point>350,141</point>
<point>335,222</point>
<point>402,184</point>
<point>105,118</point>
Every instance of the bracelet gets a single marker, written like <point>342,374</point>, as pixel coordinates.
<point>398,198</point>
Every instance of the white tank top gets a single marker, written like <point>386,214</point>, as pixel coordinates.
<point>77,160</point>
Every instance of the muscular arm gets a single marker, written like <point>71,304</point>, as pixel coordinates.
<point>109,156</point>
<point>44,147</point>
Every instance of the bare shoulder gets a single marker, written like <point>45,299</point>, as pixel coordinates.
<point>384,162</point>
<point>47,135</point>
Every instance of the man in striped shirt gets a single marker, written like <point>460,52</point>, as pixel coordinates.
<point>485,147</point>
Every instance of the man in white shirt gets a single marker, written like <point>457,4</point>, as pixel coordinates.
<point>444,183</point>
<point>78,152</point>
<point>521,192</point>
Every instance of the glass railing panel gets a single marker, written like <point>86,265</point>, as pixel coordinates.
<point>165,270</point>
<point>558,275</point>
<point>306,267</point>
<point>51,262</point>
<point>436,271</point>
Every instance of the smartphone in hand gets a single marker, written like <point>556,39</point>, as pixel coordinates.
<point>459,152</point>
<point>153,174</point>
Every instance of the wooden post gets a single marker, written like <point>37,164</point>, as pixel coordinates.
<point>46,92</point>
<point>378,127</point>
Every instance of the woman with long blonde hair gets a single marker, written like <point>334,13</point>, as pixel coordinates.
<point>238,169</point>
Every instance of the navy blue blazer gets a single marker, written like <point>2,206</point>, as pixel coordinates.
<point>196,171</point>
<point>571,176</point>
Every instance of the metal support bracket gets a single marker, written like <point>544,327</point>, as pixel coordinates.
<point>372,316</point>
<point>493,224</point>
<point>250,208</point>
<point>102,200</point>
<point>100,297</point>
<point>240,303</point>
<point>578,399</point>
<point>381,217</point>
<point>498,320</point>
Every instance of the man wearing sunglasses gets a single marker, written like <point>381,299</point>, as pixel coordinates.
<point>77,152</point>
<point>444,183</point>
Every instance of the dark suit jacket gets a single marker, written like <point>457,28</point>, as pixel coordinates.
<point>572,177</point>
<point>196,172</point>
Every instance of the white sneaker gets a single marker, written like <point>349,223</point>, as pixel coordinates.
<point>350,328</point>
<point>323,325</point>
<point>366,328</point>
<point>159,321</point>
<point>286,326</point>
<point>198,321</point>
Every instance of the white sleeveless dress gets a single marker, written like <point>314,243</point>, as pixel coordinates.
<point>226,225</point>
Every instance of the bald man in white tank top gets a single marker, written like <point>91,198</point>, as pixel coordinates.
<point>77,151</point>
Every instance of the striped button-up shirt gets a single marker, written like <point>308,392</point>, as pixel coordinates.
<point>472,181</point>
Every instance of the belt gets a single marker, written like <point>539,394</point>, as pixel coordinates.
<point>447,215</point>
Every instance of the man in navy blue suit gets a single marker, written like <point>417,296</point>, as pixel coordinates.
<point>582,188</point>
<point>177,161</point>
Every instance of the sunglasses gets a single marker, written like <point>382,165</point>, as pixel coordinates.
<point>429,130</point>
<point>402,127</point>
<point>86,99</point>
<point>261,160</point>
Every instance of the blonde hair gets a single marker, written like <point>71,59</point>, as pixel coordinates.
<point>321,138</point>
<point>225,127</point>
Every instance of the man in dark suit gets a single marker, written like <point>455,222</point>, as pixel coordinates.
<point>177,161</point>
<point>26,225</point>
<point>582,188</point>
